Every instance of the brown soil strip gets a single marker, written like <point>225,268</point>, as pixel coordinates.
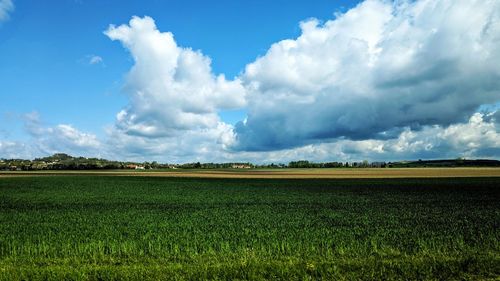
<point>283,173</point>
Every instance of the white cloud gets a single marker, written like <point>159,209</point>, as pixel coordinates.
<point>60,138</point>
<point>477,138</point>
<point>474,138</point>
<point>172,89</point>
<point>204,145</point>
<point>93,59</point>
<point>15,150</point>
<point>383,81</point>
<point>368,74</point>
<point>6,7</point>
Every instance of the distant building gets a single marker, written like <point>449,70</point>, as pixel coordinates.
<point>39,165</point>
<point>241,166</point>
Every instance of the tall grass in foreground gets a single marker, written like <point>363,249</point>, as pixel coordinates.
<point>135,228</point>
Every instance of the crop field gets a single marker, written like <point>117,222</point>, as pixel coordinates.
<point>102,227</point>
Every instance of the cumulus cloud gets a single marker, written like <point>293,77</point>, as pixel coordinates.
<point>60,138</point>
<point>46,140</point>
<point>386,80</point>
<point>479,137</point>
<point>371,73</point>
<point>6,7</point>
<point>172,89</point>
<point>204,145</point>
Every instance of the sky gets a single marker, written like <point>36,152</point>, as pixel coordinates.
<point>260,81</point>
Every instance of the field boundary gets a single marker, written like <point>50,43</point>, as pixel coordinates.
<point>281,173</point>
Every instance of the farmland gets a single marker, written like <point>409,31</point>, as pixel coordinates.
<point>324,173</point>
<point>117,226</point>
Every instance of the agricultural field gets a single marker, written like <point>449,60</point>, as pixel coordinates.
<point>130,227</point>
<point>323,173</point>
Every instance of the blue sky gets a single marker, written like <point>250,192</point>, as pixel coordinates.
<point>45,48</point>
<point>351,80</point>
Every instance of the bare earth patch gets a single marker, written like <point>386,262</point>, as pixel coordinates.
<point>284,173</point>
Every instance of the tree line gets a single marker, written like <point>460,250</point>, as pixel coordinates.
<point>61,161</point>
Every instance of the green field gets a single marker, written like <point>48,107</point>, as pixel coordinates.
<point>160,228</point>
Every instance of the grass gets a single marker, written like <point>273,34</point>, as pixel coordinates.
<point>151,228</point>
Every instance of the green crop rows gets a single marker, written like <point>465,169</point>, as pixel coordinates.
<point>148,228</point>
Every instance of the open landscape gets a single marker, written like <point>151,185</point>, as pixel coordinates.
<point>249,140</point>
<point>101,226</point>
